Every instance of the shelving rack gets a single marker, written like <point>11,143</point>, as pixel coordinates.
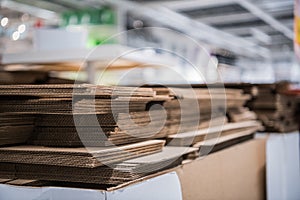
<point>87,57</point>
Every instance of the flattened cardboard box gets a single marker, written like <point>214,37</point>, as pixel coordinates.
<point>237,172</point>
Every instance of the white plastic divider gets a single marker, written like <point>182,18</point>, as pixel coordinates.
<point>283,166</point>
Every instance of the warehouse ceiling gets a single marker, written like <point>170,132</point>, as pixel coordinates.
<point>265,23</point>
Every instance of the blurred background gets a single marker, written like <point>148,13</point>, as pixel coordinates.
<point>251,45</point>
<point>251,41</point>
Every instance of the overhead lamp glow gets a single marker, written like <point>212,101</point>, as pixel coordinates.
<point>25,17</point>
<point>21,28</point>
<point>4,21</point>
<point>15,36</point>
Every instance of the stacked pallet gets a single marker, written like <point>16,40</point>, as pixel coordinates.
<point>22,77</point>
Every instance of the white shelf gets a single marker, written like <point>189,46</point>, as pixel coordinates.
<point>100,53</point>
<point>107,53</point>
<point>60,56</point>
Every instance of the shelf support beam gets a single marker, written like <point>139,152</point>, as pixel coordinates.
<point>273,22</point>
<point>200,31</point>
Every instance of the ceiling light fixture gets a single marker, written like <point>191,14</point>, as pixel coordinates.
<point>4,21</point>
<point>15,36</point>
<point>21,28</point>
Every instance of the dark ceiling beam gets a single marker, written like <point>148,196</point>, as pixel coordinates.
<point>267,18</point>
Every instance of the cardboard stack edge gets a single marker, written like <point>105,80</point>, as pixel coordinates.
<point>276,105</point>
<point>114,174</point>
<point>43,128</point>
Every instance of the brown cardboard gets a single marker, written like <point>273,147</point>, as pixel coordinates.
<point>126,171</point>
<point>188,138</point>
<point>15,128</point>
<point>233,173</point>
<point>273,104</point>
<point>59,129</point>
<point>67,90</point>
<point>78,157</point>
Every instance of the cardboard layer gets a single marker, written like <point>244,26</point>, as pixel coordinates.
<point>61,98</point>
<point>22,77</point>
<point>241,114</point>
<point>97,129</point>
<point>107,135</point>
<point>128,170</point>
<point>234,173</point>
<point>276,105</point>
<point>67,90</point>
<point>15,128</point>
<point>190,138</point>
<point>225,138</point>
<point>78,157</point>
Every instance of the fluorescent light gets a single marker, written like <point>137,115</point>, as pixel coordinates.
<point>16,35</point>
<point>4,21</point>
<point>21,28</point>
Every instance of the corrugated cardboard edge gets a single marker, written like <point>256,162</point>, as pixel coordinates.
<point>180,170</point>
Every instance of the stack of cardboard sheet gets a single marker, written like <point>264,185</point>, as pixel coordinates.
<point>238,112</point>
<point>25,76</point>
<point>37,98</point>
<point>100,117</point>
<point>274,105</point>
<point>114,174</point>
<point>191,110</point>
<point>22,77</point>
<point>95,130</point>
<point>215,131</point>
<point>15,128</point>
<point>45,73</point>
<point>275,108</point>
<point>68,115</point>
<point>217,137</point>
<point>66,120</point>
<point>78,157</point>
<point>281,116</point>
